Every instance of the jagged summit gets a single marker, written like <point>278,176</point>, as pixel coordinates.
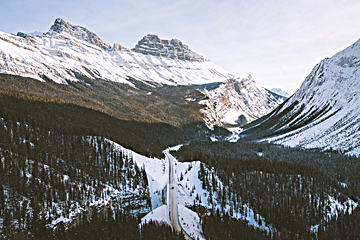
<point>151,44</point>
<point>62,26</point>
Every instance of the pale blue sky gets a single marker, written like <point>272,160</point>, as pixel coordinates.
<point>278,42</point>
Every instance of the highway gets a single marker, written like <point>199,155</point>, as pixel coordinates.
<point>172,197</point>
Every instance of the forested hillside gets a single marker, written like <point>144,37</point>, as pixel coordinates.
<point>59,116</point>
<point>50,176</point>
<point>284,186</point>
<point>61,177</point>
<point>143,103</point>
<point>58,167</point>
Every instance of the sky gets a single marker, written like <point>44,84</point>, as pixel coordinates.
<point>278,42</point>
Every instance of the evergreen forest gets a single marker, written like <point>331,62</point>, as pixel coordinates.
<point>58,161</point>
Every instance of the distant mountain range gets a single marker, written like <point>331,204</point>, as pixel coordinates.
<point>280,92</point>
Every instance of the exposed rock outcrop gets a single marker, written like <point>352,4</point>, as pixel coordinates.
<point>152,45</point>
<point>118,47</point>
<point>238,101</point>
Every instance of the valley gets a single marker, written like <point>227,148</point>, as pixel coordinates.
<point>99,141</point>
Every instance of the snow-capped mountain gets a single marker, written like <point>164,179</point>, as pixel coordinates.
<point>324,113</point>
<point>238,101</point>
<point>66,51</point>
<point>280,92</point>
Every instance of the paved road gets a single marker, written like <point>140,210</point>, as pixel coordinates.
<point>172,197</point>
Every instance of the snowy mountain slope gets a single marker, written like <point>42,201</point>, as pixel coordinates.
<point>67,51</point>
<point>324,113</point>
<point>238,101</point>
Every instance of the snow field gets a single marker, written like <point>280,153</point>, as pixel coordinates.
<point>159,214</point>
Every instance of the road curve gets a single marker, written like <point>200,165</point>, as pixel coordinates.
<point>172,197</point>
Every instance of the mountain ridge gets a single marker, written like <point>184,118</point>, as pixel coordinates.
<point>67,50</point>
<point>81,33</point>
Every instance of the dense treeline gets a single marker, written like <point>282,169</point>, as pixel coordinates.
<point>338,167</point>
<point>287,195</point>
<point>113,225</point>
<point>55,116</point>
<point>346,227</point>
<point>223,227</point>
<point>45,175</point>
<point>159,231</point>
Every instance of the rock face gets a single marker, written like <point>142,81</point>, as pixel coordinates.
<point>238,101</point>
<point>174,48</point>
<point>118,47</point>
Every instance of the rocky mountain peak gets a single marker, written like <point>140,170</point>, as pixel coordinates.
<point>62,26</point>
<point>151,44</point>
